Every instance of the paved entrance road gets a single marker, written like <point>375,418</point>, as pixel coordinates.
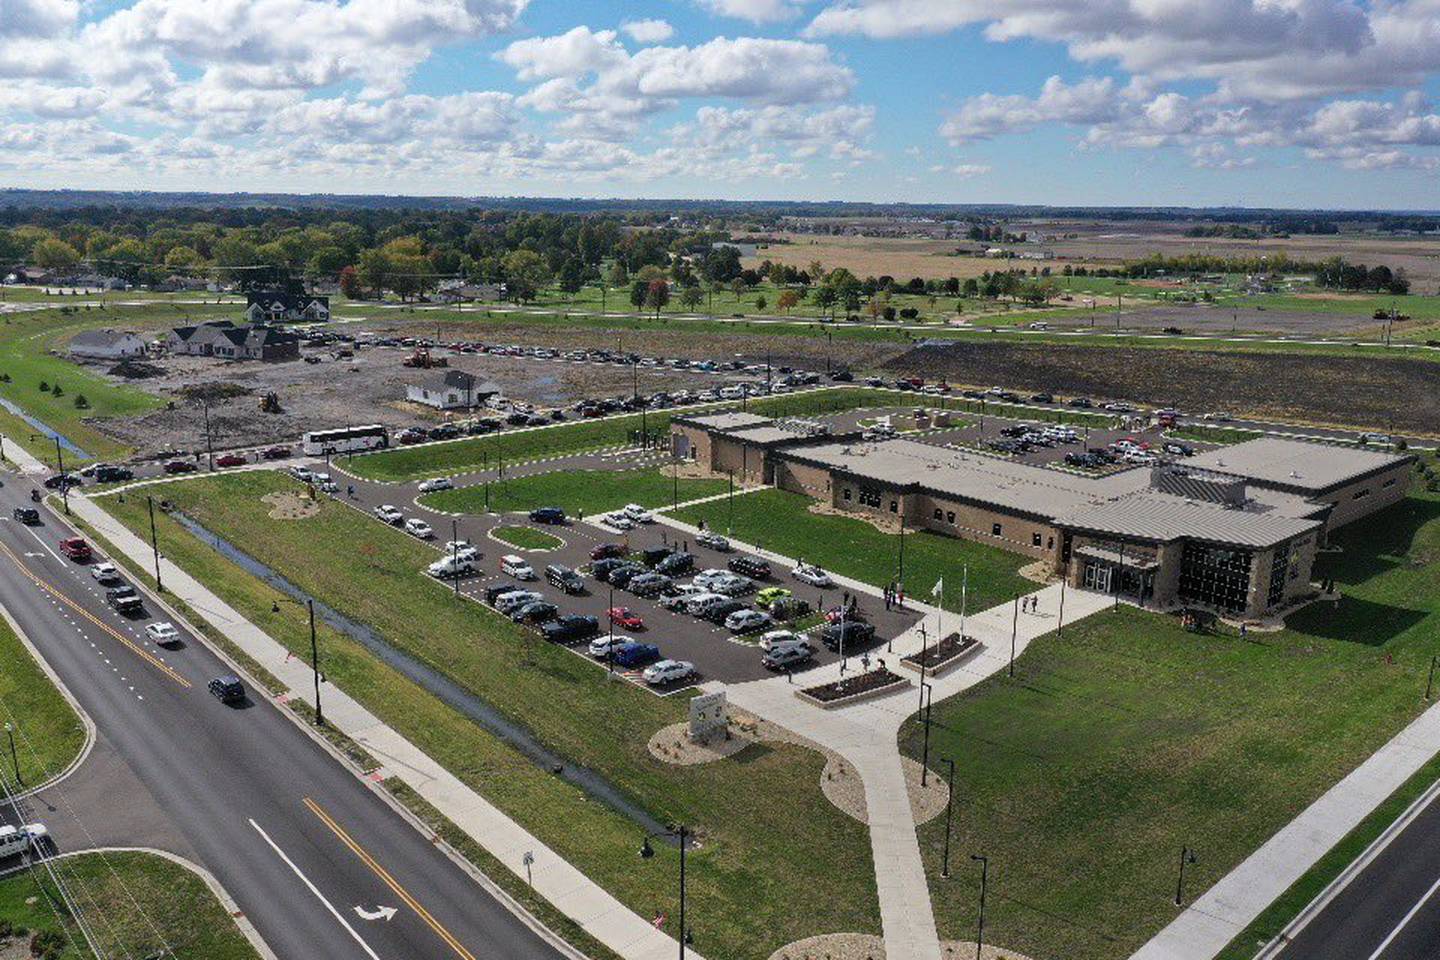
<point>296,838</point>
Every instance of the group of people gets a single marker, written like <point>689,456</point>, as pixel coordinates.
<point>894,596</point>
<point>1030,604</point>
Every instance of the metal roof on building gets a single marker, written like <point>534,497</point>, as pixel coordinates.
<point>1162,517</point>
<point>1299,464</point>
<point>730,420</point>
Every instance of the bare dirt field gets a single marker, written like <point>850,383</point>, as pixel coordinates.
<point>899,257</point>
<point>1393,394</point>
<point>1199,318</point>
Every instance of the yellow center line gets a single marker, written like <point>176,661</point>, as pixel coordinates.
<point>55,592</point>
<point>389,880</point>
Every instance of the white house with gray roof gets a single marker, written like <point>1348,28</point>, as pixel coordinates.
<point>106,345</point>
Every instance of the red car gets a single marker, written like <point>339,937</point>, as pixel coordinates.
<point>230,460</point>
<point>606,550</point>
<point>180,466</point>
<point>849,615</point>
<point>625,617</point>
<point>76,549</point>
<point>276,453</point>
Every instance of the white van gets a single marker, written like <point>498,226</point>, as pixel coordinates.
<point>508,603</point>
<point>448,567</point>
<point>516,567</point>
<point>703,604</point>
<point>17,840</point>
<point>784,648</point>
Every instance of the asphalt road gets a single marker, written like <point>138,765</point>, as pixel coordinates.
<point>296,838</point>
<point>1390,911</point>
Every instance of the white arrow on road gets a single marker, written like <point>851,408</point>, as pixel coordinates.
<point>383,913</point>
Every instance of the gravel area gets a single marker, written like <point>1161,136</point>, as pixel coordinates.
<point>842,787</point>
<point>673,745</point>
<point>864,946</point>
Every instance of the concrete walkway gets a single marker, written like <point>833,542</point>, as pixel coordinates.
<point>570,891</point>
<point>1217,916</point>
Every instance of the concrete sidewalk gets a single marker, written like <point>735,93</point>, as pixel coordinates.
<point>1222,912</point>
<point>570,891</point>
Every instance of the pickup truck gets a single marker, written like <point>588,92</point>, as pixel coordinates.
<point>76,549</point>
<point>124,599</point>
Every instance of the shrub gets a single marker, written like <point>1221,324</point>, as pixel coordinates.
<point>81,402</point>
<point>47,945</point>
<point>59,391</point>
<point>44,386</point>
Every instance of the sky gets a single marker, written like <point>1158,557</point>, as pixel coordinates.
<point>1261,103</point>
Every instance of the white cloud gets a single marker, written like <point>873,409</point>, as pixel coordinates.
<point>986,116</point>
<point>36,18</point>
<point>756,11</point>
<point>968,171</point>
<point>575,53</point>
<point>648,31</point>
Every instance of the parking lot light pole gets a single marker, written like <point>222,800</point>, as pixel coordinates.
<point>681,833</point>
<point>14,757</point>
<point>455,552</point>
<point>610,647</point>
<point>1014,630</point>
<point>949,803</point>
<point>155,544</point>
<point>927,693</point>
<point>315,664</point>
<point>1060,619</point>
<point>1186,856</point>
<point>730,524</point>
<point>984,882</point>
<point>64,485</point>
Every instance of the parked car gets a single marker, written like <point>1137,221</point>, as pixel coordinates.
<point>388,514</point>
<point>851,633</point>
<point>625,617</point>
<point>668,671</point>
<point>601,569</point>
<point>569,629</point>
<point>676,564</point>
<point>635,654</point>
<point>180,466</point>
<point>786,657</point>
<point>227,689</point>
<point>652,556</point>
<point>607,550</point>
<point>1178,449</point>
<point>419,528</point>
<point>452,567</point>
<point>64,481</point>
<point>108,474</point>
<point>812,575</point>
<point>677,595</point>
<point>751,567</point>
<point>566,579</point>
<point>618,521</point>
<point>648,584</point>
<point>508,603</point>
<point>600,647</point>
<point>773,638</point>
<point>1380,439</point>
<point>770,595</point>
<point>733,585</point>
<point>637,513</point>
<point>714,541</point>
<point>537,611</point>
<point>26,515</point>
<point>436,483</point>
<point>718,613</point>
<point>516,567</point>
<point>105,573</point>
<point>547,515</point>
<point>747,621</point>
<point>162,634</point>
<point>275,453</point>
<point>623,574</point>
<point>231,460</point>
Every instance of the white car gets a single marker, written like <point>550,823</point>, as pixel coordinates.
<point>600,646</point>
<point>775,637</point>
<point>419,528</point>
<point>712,540</point>
<point>668,671</point>
<point>389,514</point>
<point>105,572</point>
<point>618,521</point>
<point>744,621</point>
<point>810,574</point>
<point>1383,439</point>
<point>162,633</point>
<point>302,474</point>
<point>638,513</point>
<point>1220,416</point>
<point>706,577</point>
<point>515,566</point>
<point>436,483</point>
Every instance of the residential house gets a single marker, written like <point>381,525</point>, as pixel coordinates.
<point>286,306</point>
<point>227,341</point>
<point>452,390</point>
<point>106,345</point>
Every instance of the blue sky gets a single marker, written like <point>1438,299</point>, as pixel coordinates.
<point>1295,103</point>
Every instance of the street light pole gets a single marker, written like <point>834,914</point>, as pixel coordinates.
<point>154,543</point>
<point>1014,630</point>
<point>64,481</point>
<point>315,665</point>
<point>14,757</point>
<point>209,444</point>
<point>1186,856</point>
<point>927,690</point>
<point>682,834</point>
<point>984,882</point>
<point>455,552</point>
<point>949,803</point>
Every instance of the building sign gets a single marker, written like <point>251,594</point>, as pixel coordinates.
<point>709,714</point>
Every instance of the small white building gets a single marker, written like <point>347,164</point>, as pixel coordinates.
<point>106,345</point>
<point>452,390</point>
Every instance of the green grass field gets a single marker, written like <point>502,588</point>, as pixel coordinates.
<point>1128,738</point>
<point>48,734</point>
<point>781,521</point>
<point>138,905</point>
<point>762,816</point>
<point>576,491</point>
<point>526,538</point>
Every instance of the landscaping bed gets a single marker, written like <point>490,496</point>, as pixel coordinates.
<point>527,538</point>
<point>938,656</point>
<point>860,686</point>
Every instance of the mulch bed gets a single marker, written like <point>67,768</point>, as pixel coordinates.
<point>854,686</point>
<point>936,656</point>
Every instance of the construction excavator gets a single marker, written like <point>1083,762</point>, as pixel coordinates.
<point>421,359</point>
<point>270,403</point>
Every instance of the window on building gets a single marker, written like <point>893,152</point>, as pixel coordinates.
<point>870,498</point>
<point>950,516</point>
<point>1389,483</point>
<point>939,514</point>
<point>894,506</point>
<point>1050,543</point>
<point>845,494</point>
<point>1036,539</point>
<point>995,530</point>
<point>1279,566</point>
<point>1215,576</point>
<point>1361,494</point>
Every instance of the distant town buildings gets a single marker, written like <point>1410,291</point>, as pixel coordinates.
<point>228,341</point>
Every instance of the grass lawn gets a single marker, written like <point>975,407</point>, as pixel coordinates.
<point>48,734</point>
<point>587,491</point>
<point>177,914</point>
<point>1128,738</point>
<point>762,816</point>
<point>527,538</point>
<point>781,521</point>
<point>1225,435</point>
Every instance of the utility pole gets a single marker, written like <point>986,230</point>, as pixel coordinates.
<point>14,757</point>
<point>1186,856</point>
<point>154,544</point>
<point>315,664</point>
<point>455,552</point>
<point>209,444</point>
<point>64,480</point>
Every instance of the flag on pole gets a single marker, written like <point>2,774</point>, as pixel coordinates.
<point>939,589</point>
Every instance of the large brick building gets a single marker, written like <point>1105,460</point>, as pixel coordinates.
<point>1235,530</point>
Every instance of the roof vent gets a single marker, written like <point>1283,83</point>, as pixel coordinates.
<point>1219,462</point>
<point>1295,475</point>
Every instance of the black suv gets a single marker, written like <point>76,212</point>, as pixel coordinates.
<point>547,515</point>
<point>676,564</point>
<point>750,567</point>
<point>227,689</point>
<point>26,515</point>
<point>720,611</point>
<point>563,577</point>
<point>654,556</point>
<point>570,629</point>
<point>851,632</point>
<point>109,474</point>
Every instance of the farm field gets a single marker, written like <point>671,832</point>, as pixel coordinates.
<point>152,907</point>
<point>588,492</point>
<point>1127,738</point>
<point>752,840</point>
<point>781,521</point>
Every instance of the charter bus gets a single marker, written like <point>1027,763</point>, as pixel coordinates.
<point>318,443</point>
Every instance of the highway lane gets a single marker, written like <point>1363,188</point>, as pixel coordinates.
<point>295,837</point>
<point>1390,910</point>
